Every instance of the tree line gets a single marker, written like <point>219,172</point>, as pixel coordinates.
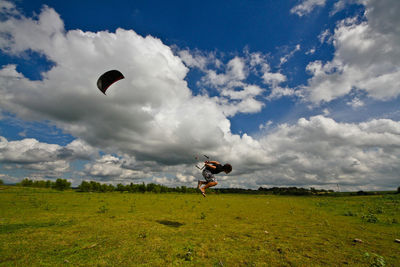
<point>299,191</point>
<point>59,184</point>
<point>92,186</point>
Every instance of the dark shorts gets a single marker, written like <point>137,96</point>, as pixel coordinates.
<point>208,176</point>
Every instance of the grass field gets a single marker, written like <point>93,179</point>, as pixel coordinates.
<point>45,227</point>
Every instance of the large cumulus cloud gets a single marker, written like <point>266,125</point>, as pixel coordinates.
<point>152,113</point>
<point>46,160</point>
<point>366,58</point>
<point>321,151</point>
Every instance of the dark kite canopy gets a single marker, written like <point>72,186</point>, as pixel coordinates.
<point>107,79</point>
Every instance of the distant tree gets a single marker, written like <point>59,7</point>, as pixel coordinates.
<point>49,184</point>
<point>142,188</point>
<point>62,184</point>
<point>94,186</point>
<point>26,182</point>
<point>150,187</point>
<point>398,190</point>
<point>84,186</point>
<point>103,188</point>
<point>1,182</point>
<point>132,188</point>
<point>106,188</point>
<point>157,189</point>
<point>120,187</point>
<point>39,183</point>
<point>111,188</point>
<point>163,189</point>
<point>183,189</point>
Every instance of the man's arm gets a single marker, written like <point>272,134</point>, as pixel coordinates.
<point>211,164</point>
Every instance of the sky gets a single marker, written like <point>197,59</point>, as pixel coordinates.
<point>292,93</point>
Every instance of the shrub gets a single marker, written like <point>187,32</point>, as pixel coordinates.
<point>379,210</point>
<point>350,213</point>
<point>371,218</point>
<point>102,209</point>
<point>188,253</point>
<point>375,260</point>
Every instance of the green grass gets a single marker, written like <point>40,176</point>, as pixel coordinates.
<point>44,227</point>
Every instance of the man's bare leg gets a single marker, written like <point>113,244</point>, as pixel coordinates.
<point>199,183</point>
<point>207,185</point>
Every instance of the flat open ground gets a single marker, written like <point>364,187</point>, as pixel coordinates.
<point>51,228</point>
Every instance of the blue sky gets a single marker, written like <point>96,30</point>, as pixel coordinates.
<point>300,93</point>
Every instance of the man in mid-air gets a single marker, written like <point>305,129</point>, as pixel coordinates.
<point>211,168</point>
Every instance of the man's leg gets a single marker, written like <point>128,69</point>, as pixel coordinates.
<point>209,184</point>
<point>200,183</point>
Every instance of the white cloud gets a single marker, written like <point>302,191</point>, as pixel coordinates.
<point>325,36</point>
<point>80,149</point>
<point>322,151</point>
<point>326,112</point>
<point>340,5</point>
<point>355,103</point>
<point>246,105</point>
<point>185,178</point>
<point>9,179</point>
<point>110,168</point>
<point>230,80</point>
<point>152,101</point>
<point>236,95</point>
<point>273,79</point>
<point>8,8</point>
<point>248,91</point>
<point>366,57</point>
<point>27,151</point>
<point>311,51</point>
<point>285,58</point>
<point>278,92</point>
<point>50,168</point>
<point>234,75</point>
<point>306,7</point>
<point>197,59</point>
<point>50,160</point>
<point>266,125</point>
